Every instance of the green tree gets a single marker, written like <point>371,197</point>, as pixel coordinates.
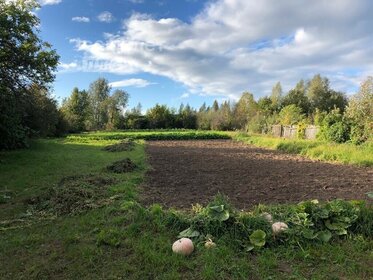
<point>99,92</point>
<point>322,97</point>
<point>116,103</point>
<point>76,110</point>
<point>360,112</point>
<point>160,116</point>
<point>276,97</point>
<point>215,106</point>
<point>188,117</point>
<point>245,109</point>
<point>25,60</point>
<point>290,115</point>
<point>335,127</point>
<point>298,97</point>
<point>40,114</point>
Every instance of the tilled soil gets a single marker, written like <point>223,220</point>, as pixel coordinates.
<point>184,173</point>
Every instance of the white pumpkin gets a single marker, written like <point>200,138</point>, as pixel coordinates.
<point>279,227</point>
<point>267,217</point>
<point>183,246</point>
<point>209,244</point>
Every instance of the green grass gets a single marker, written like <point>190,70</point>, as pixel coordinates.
<point>176,134</point>
<point>347,153</point>
<point>123,240</point>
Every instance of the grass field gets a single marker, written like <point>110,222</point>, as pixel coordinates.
<point>342,153</point>
<point>117,238</point>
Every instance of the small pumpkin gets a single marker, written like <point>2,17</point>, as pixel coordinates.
<point>209,244</point>
<point>279,227</point>
<point>267,217</point>
<point>183,246</point>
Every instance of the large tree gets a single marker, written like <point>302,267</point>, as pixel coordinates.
<point>26,62</point>
<point>322,97</point>
<point>76,110</point>
<point>244,110</point>
<point>116,104</point>
<point>360,112</point>
<point>276,96</point>
<point>297,96</point>
<point>99,92</point>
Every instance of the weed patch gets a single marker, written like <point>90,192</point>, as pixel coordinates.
<point>124,145</point>
<point>73,195</point>
<point>122,166</point>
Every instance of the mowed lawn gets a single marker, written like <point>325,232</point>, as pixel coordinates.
<point>117,238</point>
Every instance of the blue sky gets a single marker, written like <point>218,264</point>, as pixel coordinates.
<point>195,51</point>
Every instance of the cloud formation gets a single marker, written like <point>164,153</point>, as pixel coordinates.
<point>49,2</point>
<point>106,17</point>
<point>139,83</point>
<point>81,19</point>
<point>237,45</point>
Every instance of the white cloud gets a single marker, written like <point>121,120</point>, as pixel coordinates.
<point>139,83</point>
<point>237,45</point>
<point>68,66</point>
<point>136,1</point>
<point>185,95</point>
<point>81,19</point>
<point>106,17</point>
<point>49,2</point>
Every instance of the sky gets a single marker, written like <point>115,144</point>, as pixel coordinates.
<point>194,51</point>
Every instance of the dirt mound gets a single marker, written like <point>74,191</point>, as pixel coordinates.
<point>125,145</point>
<point>73,195</point>
<point>122,166</point>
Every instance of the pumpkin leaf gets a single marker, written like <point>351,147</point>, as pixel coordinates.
<point>189,233</point>
<point>218,213</point>
<point>309,234</point>
<point>324,236</point>
<point>341,231</point>
<point>249,248</point>
<point>369,194</point>
<point>218,208</point>
<point>336,226</point>
<point>258,238</point>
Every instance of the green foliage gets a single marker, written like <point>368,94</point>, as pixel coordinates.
<point>150,135</point>
<point>298,97</point>
<point>258,238</point>
<point>26,63</point>
<point>160,116</point>
<point>308,221</point>
<point>322,97</point>
<point>76,110</point>
<point>344,153</point>
<point>360,113</point>
<point>41,112</point>
<point>290,115</point>
<point>334,127</point>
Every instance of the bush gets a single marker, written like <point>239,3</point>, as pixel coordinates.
<point>335,127</point>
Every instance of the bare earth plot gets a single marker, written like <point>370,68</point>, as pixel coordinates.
<point>189,172</point>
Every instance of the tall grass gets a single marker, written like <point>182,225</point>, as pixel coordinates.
<point>346,153</point>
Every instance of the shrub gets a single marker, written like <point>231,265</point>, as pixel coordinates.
<point>335,127</point>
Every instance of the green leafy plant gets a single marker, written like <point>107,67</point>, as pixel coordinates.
<point>258,238</point>
<point>218,213</point>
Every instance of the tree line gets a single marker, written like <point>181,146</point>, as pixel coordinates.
<point>309,102</point>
